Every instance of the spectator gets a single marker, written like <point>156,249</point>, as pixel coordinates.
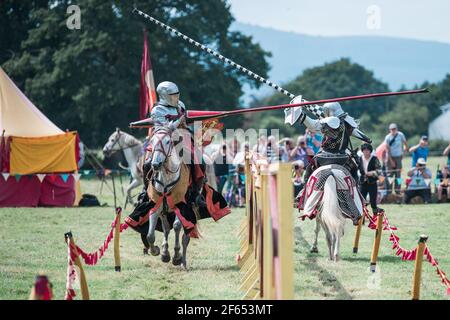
<point>447,153</point>
<point>418,185</point>
<point>221,166</point>
<point>419,151</point>
<point>297,179</point>
<point>301,151</point>
<point>313,140</point>
<point>286,147</point>
<point>239,158</point>
<point>261,145</point>
<point>395,144</point>
<point>233,147</point>
<point>444,185</point>
<point>369,165</point>
<point>272,150</point>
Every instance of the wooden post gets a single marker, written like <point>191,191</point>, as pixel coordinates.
<point>285,200</point>
<point>357,235</point>
<point>258,240</point>
<point>376,242</point>
<point>245,230</point>
<point>248,191</point>
<point>267,276</point>
<point>83,283</point>
<point>418,267</point>
<point>117,240</point>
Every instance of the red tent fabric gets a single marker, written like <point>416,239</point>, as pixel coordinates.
<point>28,191</point>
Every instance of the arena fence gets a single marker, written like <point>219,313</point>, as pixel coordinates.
<point>266,238</point>
<point>266,233</point>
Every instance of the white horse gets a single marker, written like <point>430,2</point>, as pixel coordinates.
<point>332,195</point>
<point>170,178</point>
<point>132,148</point>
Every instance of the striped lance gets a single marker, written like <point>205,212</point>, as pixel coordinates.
<point>316,110</point>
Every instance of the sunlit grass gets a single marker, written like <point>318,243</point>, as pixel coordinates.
<point>32,241</point>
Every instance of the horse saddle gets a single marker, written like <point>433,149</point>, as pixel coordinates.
<point>324,158</point>
<point>347,193</point>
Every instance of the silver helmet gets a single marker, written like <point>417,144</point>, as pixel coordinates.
<point>168,93</point>
<point>333,109</point>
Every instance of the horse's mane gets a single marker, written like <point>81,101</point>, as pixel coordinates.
<point>130,140</point>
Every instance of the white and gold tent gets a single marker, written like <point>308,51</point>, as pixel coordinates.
<point>38,160</point>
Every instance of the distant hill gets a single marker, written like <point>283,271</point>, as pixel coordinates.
<point>395,61</point>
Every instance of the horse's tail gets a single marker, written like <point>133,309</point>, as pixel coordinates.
<point>331,214</point>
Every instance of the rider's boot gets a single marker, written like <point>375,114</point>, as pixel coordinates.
<point>377,210</point>
<point>200,200</point>
<point>197,186</point>
<point>308,172</point>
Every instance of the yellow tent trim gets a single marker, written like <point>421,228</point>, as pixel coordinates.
<point>51,154</point>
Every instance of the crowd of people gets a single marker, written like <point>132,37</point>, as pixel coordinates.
<point>379,170</point>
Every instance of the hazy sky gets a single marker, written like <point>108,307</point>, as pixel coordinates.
<point>416,19</point>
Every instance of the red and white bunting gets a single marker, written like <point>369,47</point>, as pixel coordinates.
<point>41,176</point>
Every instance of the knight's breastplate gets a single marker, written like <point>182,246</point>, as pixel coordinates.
<point>335,140</point>
<point>164,114</point>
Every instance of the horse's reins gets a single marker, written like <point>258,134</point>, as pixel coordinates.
<point>167,155</point>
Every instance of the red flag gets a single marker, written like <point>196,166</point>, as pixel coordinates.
<point>147,92</point>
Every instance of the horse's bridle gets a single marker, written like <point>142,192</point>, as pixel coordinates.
<point>117,141</point>
<point>160,135</point>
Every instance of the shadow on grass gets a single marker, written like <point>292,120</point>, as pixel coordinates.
<point>217,268</point>
<point>391,259</point>
<point>326,278</point>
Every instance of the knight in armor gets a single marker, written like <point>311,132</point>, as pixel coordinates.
<point>169,113</point>
<point>337,127</point>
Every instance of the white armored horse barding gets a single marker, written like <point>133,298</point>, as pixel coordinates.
<point>332,196</point>
<point>132,150</point>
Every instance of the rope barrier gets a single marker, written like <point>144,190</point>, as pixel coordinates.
<point>75,252</point>
<point>407,255</point>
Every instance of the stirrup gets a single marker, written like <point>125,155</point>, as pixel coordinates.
<point>200,200</point>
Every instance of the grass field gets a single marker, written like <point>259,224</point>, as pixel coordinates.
<point>32,240</point>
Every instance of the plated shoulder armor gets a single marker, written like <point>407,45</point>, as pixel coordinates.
<point>332,122</point>
<point>351,121</point>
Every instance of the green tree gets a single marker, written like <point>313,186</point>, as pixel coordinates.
<point>336,79</point>
<point>88,79</point>
<point>412,119</point>
<point>15,21</point>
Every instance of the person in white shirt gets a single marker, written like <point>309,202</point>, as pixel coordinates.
<point>396,145</point>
